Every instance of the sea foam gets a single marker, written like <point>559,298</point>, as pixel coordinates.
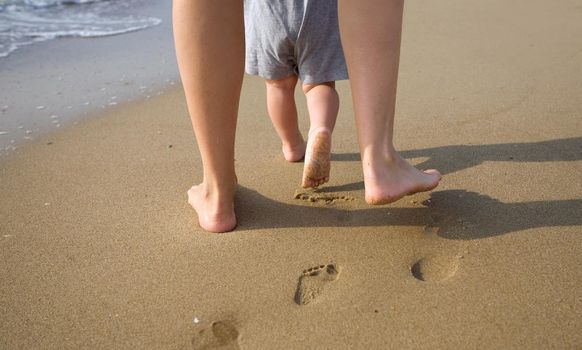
<point>24,22</point>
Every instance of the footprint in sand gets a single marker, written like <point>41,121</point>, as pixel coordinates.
<point>220,335</point>
<point>436,268</point>
<point>313,282</point>
<point>317,197</point>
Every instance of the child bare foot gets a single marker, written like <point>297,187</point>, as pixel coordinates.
<point>294,153</point>
<point>395,179</point>
<point>317,158</point>
<point>214,214</point>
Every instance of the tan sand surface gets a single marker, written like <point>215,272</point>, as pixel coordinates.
<point>100,250</point>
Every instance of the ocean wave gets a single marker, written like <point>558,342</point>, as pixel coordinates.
<point>24,22</point>
<point>43,3</point>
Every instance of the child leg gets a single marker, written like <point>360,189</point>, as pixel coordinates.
<point>323,106</point>
<point>283,113</point>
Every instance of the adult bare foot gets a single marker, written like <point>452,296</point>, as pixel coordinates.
<point>392,179</point>
<point>215,212</point>
<point>294,153</point>
<point>317,158</point>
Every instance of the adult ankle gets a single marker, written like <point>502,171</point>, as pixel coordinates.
<point>219,187</point>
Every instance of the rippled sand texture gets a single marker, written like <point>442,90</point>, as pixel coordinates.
<point>100,250</point>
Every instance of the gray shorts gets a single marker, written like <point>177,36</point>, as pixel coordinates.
<point>286,37</point>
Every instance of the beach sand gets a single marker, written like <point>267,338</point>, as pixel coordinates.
<point>99,248</point>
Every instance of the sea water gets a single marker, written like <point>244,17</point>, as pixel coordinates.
<point>24,22</point>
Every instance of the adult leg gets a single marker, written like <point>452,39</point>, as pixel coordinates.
<point>283,113</point>
<point>323,106</point>
<point>370,32</point>
<point>209,38</point>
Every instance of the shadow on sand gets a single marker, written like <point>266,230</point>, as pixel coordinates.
<point>450,159</point>
<point>456,214</point>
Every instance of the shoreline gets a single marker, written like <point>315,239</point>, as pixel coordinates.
<point>53,84</point>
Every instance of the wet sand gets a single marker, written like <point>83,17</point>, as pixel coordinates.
<point>99,248</point>
<point>54,84</point>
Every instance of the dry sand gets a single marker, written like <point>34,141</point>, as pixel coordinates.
<point>100,250</point>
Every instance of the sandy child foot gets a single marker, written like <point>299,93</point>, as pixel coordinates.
<point>313,282</point>
<point>213,215</point>
<point>317,159</point>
